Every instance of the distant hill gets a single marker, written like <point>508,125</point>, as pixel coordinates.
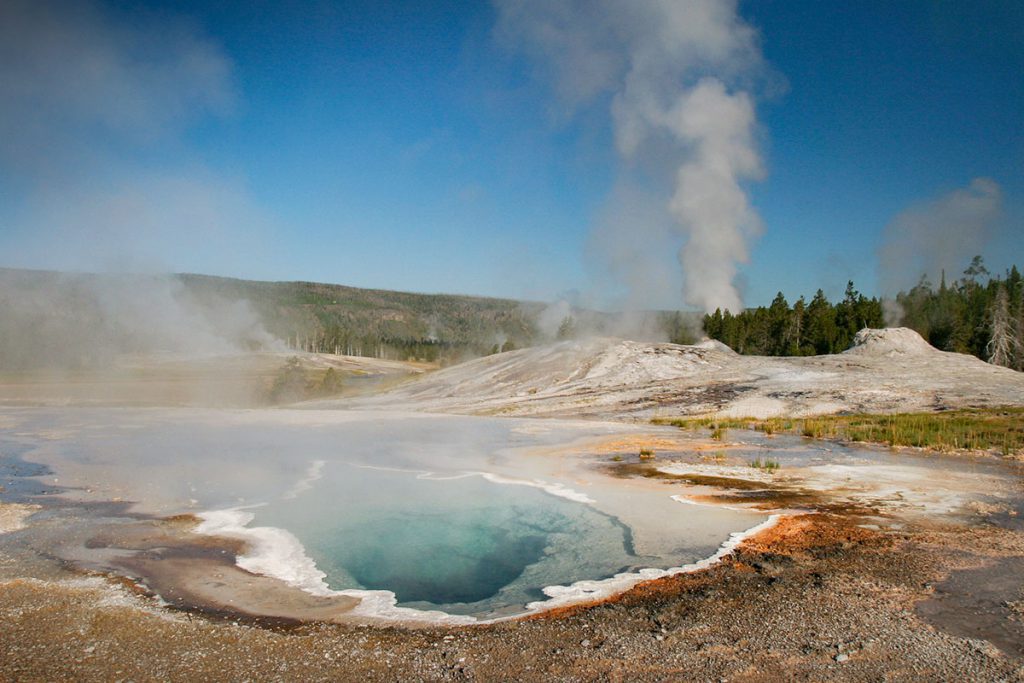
<point>83,320</point>
<point>380,323</point>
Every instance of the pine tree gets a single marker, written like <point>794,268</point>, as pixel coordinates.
<point>796,329</point>
<point>975,270</point>
<point>846,324</point>
<point>821,323</point>
<point>778,326</point>
<point>983,317</point>
<point>713,324</point>
<point>1019,330</point>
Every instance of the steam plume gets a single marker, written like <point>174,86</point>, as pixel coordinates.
<point>93,109</point>
<point>63,321</point>
<point>936,235</point>
<point>94,103</point>
<point>673,73</point>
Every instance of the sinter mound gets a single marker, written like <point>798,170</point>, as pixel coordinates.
<point>892,370</point>
<point>890,342</point>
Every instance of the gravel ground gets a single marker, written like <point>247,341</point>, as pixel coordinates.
<point>818,597</point>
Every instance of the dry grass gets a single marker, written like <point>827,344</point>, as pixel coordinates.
<point>991,429</point>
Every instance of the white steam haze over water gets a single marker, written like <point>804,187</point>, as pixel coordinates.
<point>436,514</point>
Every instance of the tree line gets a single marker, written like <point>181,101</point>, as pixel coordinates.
<point>979,314</point>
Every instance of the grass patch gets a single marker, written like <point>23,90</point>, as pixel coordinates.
<point>695,423</point>
<point>766,464</point>
<point>717,426</point>
<point>774,425</point>
<point>646,454</point>
<point>718,457</point>
<point>978,429</point>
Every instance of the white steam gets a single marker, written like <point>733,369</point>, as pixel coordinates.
<point>96,175</point>
<point>552,317</point>
<point>938,235</point>
<point>68,321</point>
<point>95,169</point>
<point>708,200</point>
<point>893,312</point>
<point>676,73</point>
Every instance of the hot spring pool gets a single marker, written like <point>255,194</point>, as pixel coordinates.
<point>467,516</point>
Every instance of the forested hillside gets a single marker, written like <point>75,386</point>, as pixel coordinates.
<point>979,314</point>
<point>384,324</point>
<point>430,327</point>
<point>82,320</point>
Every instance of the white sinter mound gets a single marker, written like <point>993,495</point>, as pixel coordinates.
<point>887,370</point>
<point>890,342</point>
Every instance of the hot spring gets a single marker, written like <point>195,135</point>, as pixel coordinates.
<point>419,516</point>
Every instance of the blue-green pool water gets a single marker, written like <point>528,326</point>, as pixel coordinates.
<point>466,515</point>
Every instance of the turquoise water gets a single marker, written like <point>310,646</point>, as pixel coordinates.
<point>471,516</point>
<point>463,545</point>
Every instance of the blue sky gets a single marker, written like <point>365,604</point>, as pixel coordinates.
<point>888,104</point>
<point>405,145</point>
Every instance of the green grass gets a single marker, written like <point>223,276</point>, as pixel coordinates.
<point>774,425</point>
<point>706,422</point>
<point>646,454</point>
<point>991,429</point>
<point>765,464</point>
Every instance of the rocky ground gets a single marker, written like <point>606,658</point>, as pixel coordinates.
<point>817,598</point>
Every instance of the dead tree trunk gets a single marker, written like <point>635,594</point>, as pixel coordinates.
<point>1001,345</point>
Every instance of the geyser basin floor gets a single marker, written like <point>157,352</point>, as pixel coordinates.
<point>783,607</point>
<point>467,516</point>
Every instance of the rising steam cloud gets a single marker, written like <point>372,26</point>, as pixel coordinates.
<point>93,110</point>
<point>94,164</point>
<point>938,235</point>
<point>676,75</point>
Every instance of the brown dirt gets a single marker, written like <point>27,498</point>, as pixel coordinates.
<point>199,574</point>
<point>632,445</point>
<point>818,597</point>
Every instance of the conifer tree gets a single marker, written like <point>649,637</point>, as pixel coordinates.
<point>977,314</point>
